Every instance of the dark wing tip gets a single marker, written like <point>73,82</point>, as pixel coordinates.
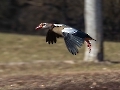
<point>51,37</point>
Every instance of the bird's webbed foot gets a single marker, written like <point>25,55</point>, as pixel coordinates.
<point>88,45</point>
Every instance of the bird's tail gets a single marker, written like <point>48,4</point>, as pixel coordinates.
<point>90,38</point>
<point>93,39</point>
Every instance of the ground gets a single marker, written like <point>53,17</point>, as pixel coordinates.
<point>64,75</point>
<point>68,81</point>
<point>28,63</point>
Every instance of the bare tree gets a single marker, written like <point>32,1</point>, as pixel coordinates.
<point>93,26</point>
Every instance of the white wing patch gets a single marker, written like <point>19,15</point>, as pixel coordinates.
<point>69,30</point>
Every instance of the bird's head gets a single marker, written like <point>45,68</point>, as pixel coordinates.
<point>44,25</point>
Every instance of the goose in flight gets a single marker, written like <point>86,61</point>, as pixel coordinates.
<point>73,38</point>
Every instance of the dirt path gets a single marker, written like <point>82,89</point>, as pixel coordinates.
<point>69,81</point>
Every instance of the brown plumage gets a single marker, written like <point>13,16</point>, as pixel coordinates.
<point>73,38</point>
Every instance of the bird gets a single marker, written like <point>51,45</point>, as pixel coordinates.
<point>73,38</point>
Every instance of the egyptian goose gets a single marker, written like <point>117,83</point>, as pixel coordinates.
<point>73,38</point>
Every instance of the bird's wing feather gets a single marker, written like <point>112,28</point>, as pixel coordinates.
<point>71,47</point>
<point>51,37</point>
<point>72,42</point>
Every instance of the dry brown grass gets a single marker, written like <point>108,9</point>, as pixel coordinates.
<point>22,53</point>
<point>28,63</point>
<point>28,48</point>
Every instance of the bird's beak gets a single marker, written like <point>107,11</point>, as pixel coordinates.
<point>38,27</point>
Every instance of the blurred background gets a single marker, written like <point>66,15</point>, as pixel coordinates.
<point>22,16</point>
<point>23,50</point>
<point>19,42</point>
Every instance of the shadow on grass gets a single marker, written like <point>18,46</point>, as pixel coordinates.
<point>113,62</point>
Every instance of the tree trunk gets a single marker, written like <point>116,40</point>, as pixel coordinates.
<point>93,26</point>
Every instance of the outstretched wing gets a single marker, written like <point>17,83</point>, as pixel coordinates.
<point>72,42</point>
<point>51,37</point>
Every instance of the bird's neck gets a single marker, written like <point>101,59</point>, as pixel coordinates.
<point>51,27</point>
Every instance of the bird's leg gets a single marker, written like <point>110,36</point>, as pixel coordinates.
<point>88,44</point>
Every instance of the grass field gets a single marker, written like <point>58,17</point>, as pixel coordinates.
<point>28,61</point>
<point>28,48</point>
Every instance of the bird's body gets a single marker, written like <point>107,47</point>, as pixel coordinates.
<point>73,38</point>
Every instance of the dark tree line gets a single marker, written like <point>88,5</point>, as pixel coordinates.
<point>21,16</point>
